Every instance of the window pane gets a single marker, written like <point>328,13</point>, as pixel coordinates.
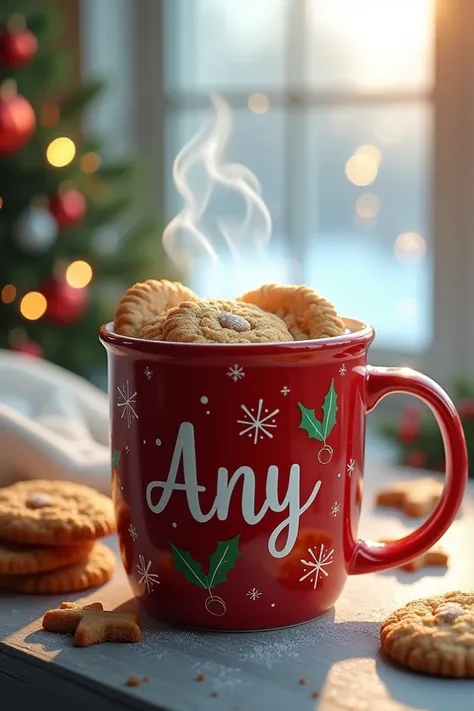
<point>257,142</point>
<point>370,44</point>
<point>370,248</point>
<point>230,44</point>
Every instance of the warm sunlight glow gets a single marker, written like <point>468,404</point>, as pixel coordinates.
<point>8,294</point>
<point>361,169</point>
<point>409,248</point>
<point>78,274</point>
<point>60,152</point>
<point>367,206</point>
<point>370,151</point>
<point>384,41</point>
<point>258,103</point>
<point>33,305</point>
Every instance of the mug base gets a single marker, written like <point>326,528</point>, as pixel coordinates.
<point>155,618</point>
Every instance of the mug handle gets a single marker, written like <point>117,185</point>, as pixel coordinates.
<point>368,556</point>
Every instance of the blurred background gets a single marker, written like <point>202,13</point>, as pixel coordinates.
<point>354,115</point>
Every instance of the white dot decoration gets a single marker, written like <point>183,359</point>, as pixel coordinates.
<point>175,525</point>
<point>144,441</point>
<point>208,412</point>
<point>272,605</point>
<point>204,400</point>
<point>158,442</point>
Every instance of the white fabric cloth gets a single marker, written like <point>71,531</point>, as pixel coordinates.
<point>53,424</point>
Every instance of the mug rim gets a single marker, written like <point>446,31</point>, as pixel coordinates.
<point>359,333</point>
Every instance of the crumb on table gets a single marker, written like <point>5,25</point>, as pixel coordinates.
<point>200,677</point>
<point>215,693</point>
<point>302,681</point>
<point>133,681</point>
<point>315,695</point>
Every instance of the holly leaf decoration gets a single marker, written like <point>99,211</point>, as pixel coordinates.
<point>329,409</point>
<point>190,568</point>
<point>310,423</point>
<point>116,454</point>
<point>222,561</point>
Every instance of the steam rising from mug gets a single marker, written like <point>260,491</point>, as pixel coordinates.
<point>184,239</point>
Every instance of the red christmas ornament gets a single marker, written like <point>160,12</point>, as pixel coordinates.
<point>28,347</point>
<point>466,409</point>
<point>18,45</point>
<point>68,207</point>
<point>66,305</point>
<point>416,459</point>
<point>17,119</point>
<point>410,426</point>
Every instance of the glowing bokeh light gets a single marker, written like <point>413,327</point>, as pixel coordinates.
<point>60,152</point>
<point>33,305</point>
<point>78,274</point>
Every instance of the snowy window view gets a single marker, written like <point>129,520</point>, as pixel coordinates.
<point>331,105</point>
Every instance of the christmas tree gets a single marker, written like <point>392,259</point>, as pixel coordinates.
<point>64,259</point>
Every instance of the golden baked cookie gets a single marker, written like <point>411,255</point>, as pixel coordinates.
<point>94,570</point>
<point>217,321</point>
<point>417,497</point>
<point>145,300</point>
<point>54,513</point>
<point>433,635</point>
<point>17,559</point>
<point>434,557</point>
<point>306,314</point>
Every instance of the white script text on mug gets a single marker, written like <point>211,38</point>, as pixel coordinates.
<point>185,450</point>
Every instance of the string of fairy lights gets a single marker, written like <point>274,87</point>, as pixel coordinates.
<point>78,274</point>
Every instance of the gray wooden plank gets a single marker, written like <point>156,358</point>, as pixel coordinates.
<point>337,654</point>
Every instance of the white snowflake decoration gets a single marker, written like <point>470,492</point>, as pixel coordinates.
<point>351,467</point>
<point>127,401</point>
<point>148,373</point>
<point>343,369</point>
<point>254,593</point>
<point>236,372</point>
<point>317,565</point>
<point>148,579</point>
<point>133,532</point>
<point>258,425</point>
<point>335,509</point>
<point>285,390</point>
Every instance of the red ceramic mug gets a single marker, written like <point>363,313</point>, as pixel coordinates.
<point>237,474</point>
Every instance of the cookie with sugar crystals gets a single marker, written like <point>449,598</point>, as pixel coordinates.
<point>51,513</point>
<point>94,570</point>
<point>306,314</point>
<point>433,635</point>
<point>217,321</point>
<point>18,559</point>
<point>146,300</point>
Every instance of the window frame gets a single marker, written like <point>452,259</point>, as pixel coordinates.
<point>451,210</point>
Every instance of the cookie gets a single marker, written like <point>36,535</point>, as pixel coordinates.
<point>67,617</point>
<point>54,513</point>
<point>17,559</point>
<point>306,314</point>
<point>433,635</point>
<point>94,570</point>
<point>217,321</point>
<point>98,626</point>
<point>435,556</point>
<point>148,299</point>
<point>415,498</point>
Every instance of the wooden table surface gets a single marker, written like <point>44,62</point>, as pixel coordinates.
<point>338,654</point>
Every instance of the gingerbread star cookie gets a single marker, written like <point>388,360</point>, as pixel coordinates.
<point>306,313</point>
<point>433,635</point>
<point>415,498</point>
<point>146,300</point>
<point>94,570</point>
<point>91,624</point>
<point>54,513</point>
<point>217,321</point>
<point>434,557</point>
<point>67,616</point>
